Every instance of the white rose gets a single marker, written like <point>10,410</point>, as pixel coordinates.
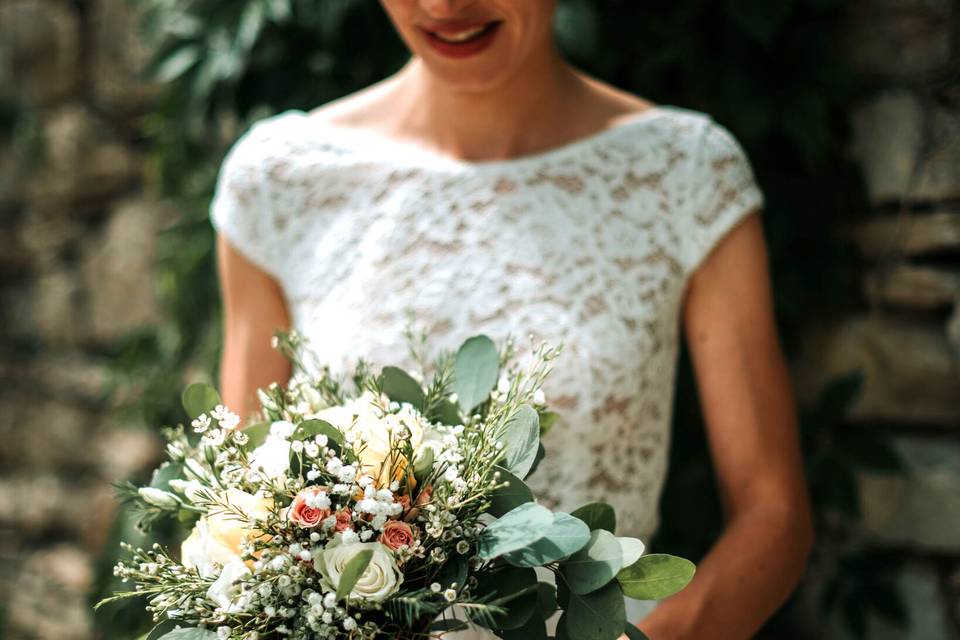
<point>272,457</point>
<point>204,552</point>
<point>380,579</point>
<point>225,589</point>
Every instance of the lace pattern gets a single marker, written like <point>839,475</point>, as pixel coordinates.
<point>590,244</point>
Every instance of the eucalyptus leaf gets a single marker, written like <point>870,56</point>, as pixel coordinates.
<point>475,371</point>
<point>446,412</point>
<point>352,571</point>
<point>199,398</point>
<point>453,572</point>
<point>189,634</point>
<point>310,428</point>
<point>547,420</point>
<point>547,599</point>
<point>632,549</point>
<point>596,564</point>
<point>521,439</point>
<point>563,537</point>
<point>597,515</point>
<point>401,387</point>
<point>515,530</point>
<point>256,434</point>
<point>164,627</point>
<point>535,628</point>
<point>514,589</point>
<point>163,475</point>
<point>511,496</point>
<point>599,615</point>
<point>655,577</point>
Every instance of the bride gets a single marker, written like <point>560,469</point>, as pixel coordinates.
<point>489,187</point>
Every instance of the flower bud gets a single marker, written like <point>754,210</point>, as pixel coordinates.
<point>158,497</point>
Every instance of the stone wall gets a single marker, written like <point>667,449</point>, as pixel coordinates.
<point>77,236</point>
<point>77,241</point>
<point>905,333</point>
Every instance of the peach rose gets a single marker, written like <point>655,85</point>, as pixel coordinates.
<point>306,510</point>
<point>396,534</point>
<point>344,520</point>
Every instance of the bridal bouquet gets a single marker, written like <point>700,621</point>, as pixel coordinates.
<point>378,509</point>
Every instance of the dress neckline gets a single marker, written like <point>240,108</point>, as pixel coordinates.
<point>385,147</point>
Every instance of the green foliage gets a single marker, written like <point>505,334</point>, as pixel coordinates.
<point>521,441</point>
<point>770,72</point>
<point>475,371</point>
<point>352,572</point>
<point>655,577</point>
<point>513,494</point>
<point>400,387</point>
<point>597,515</point>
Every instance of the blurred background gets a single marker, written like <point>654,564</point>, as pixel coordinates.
<point>114,116</point>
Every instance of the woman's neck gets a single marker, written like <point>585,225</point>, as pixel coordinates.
<point>528,113</point>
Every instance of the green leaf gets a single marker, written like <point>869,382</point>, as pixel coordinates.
<point>401,387</point>
<point>453,572</point>
<point>446,412</point>
<point>547,420</point>
<point>163,628</point>
<point>633,633</point>
<point>599,615</point>
<point>547,599</point>
<point>509,497</point>
<point>163,475</point>
<point>514,589</point>
<point>655,577</point>
<point>596,564</point>
<point>310,428</point>
<point>597,515</point>
<point>475,371</point>
<point>565,536</point>
<point>632,549</point>
<point>535,628</point>
<point>515,530</point>
<point>190,634</point>
<point>199,398</point>
<point>256,434</point>
<point>352,571</point>
<point>521,439</point>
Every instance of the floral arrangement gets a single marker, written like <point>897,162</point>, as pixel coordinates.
<point>385,508</point>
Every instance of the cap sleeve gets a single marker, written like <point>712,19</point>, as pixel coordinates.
<point>724,191</point>
<point>240,210</point>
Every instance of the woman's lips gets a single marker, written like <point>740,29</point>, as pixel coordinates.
<point>461,40</point>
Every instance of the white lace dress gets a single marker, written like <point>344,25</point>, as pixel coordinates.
<point>591,244</point>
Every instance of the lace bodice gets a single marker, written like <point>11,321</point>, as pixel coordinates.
<point>590,244</point>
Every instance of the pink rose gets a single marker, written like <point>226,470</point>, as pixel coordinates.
<point>304,515</point>
<point>344,520</point>
<point>396,534</point>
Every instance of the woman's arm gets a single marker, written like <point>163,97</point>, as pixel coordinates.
<point>751,427</point>
<point>253,309</point>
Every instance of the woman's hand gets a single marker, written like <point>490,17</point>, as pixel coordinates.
<point>253,309</point>
<point>751,427</point>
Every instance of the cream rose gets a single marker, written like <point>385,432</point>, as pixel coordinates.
<point>205,553</point>
<point>228,528</point>
<point>376,437</point>
<point>380,580</point>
